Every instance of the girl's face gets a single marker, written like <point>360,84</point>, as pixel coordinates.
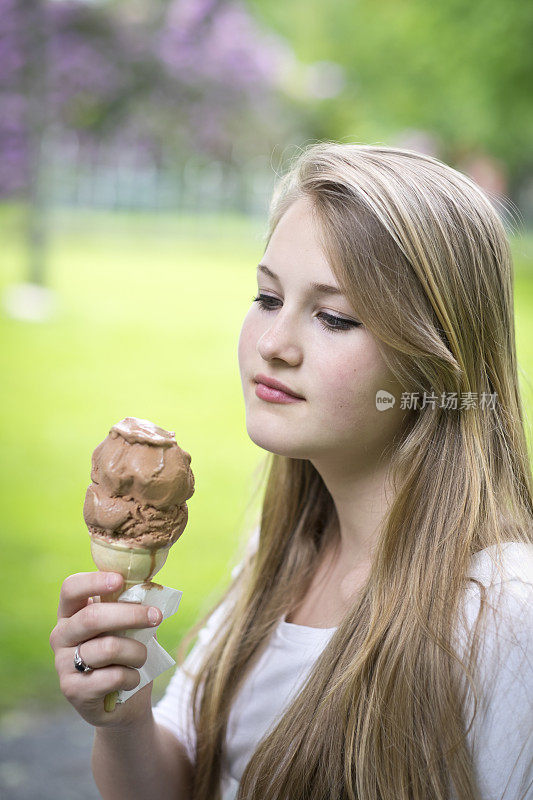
<point>312,342</point>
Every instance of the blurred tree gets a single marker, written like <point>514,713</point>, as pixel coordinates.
<point>461,70</point>
<point>34,77</point>
<point>185,76</point>
<point>157,80</point>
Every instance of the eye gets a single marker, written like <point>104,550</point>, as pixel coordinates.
<point>333,323</point>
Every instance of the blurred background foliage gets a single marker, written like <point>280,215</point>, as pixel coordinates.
<point>140,87</point>
<point>139,144</point>
<point>459,71</point>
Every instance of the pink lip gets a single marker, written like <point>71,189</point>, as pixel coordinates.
<point>275,395</point>
<point>273,391</point>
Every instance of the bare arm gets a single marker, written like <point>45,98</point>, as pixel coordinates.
<point>140,762</point>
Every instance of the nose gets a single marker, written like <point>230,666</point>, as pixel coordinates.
<point>280,340</point>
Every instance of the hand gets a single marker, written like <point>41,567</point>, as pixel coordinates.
<point>93,627</point>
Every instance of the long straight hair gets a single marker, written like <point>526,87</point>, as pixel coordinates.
<point>423,256</point>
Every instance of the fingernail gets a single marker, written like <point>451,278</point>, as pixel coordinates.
<point>153,615</point>
<point>112,581</point>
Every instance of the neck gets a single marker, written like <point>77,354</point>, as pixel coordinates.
<point>362,500</point>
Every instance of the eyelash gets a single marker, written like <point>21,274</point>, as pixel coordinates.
<point>262,298</point>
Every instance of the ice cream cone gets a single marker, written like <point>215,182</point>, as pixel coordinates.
<point>135,564</point>
<point>135,507</point>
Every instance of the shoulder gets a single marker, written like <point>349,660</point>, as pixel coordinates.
<point>503,582</point>
<point>514,561</point>
<point>501,726</point>
<point>506,576</point>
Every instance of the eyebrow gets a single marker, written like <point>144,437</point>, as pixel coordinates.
<point>322,288</point>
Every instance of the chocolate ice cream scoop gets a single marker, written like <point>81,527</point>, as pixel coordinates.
<point>141,480</point>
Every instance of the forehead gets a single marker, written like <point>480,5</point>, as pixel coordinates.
<point>314,286</point>
<point>296,244</point>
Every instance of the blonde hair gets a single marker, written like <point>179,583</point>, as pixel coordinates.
<point>424,259</point>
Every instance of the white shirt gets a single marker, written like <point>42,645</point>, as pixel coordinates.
<point>501,737</point>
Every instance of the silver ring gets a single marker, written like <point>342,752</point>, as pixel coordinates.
<point>79,663</point>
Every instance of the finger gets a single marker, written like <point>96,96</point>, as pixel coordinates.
<point>99,618</point>
<point>107,650</point>
<point>87,686</point>
<point>77,589</point>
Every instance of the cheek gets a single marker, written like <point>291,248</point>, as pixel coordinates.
<point>349,376</point>
<point>348,381</point>
<point>247,340</point>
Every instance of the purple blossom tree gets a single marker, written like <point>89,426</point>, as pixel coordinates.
<point>202,77</point>
<point>191,81</point>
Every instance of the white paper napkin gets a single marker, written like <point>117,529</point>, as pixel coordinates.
<point>158,660</point>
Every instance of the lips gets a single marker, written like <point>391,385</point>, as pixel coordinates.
<point>274,384</point>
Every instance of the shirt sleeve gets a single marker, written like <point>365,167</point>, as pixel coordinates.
<point>501,736</point>
<point>174,710</point>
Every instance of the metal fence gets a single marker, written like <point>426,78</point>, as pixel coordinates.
<point>112,178</point>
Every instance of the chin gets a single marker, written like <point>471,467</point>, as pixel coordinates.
<point>280,444</point>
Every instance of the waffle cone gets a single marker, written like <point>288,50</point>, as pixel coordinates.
<point>135,564</point>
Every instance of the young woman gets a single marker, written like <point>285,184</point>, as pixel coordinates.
<point>375,639</point>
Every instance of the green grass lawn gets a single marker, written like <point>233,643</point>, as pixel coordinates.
<point>150,313</point>
<point>150,309</point>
